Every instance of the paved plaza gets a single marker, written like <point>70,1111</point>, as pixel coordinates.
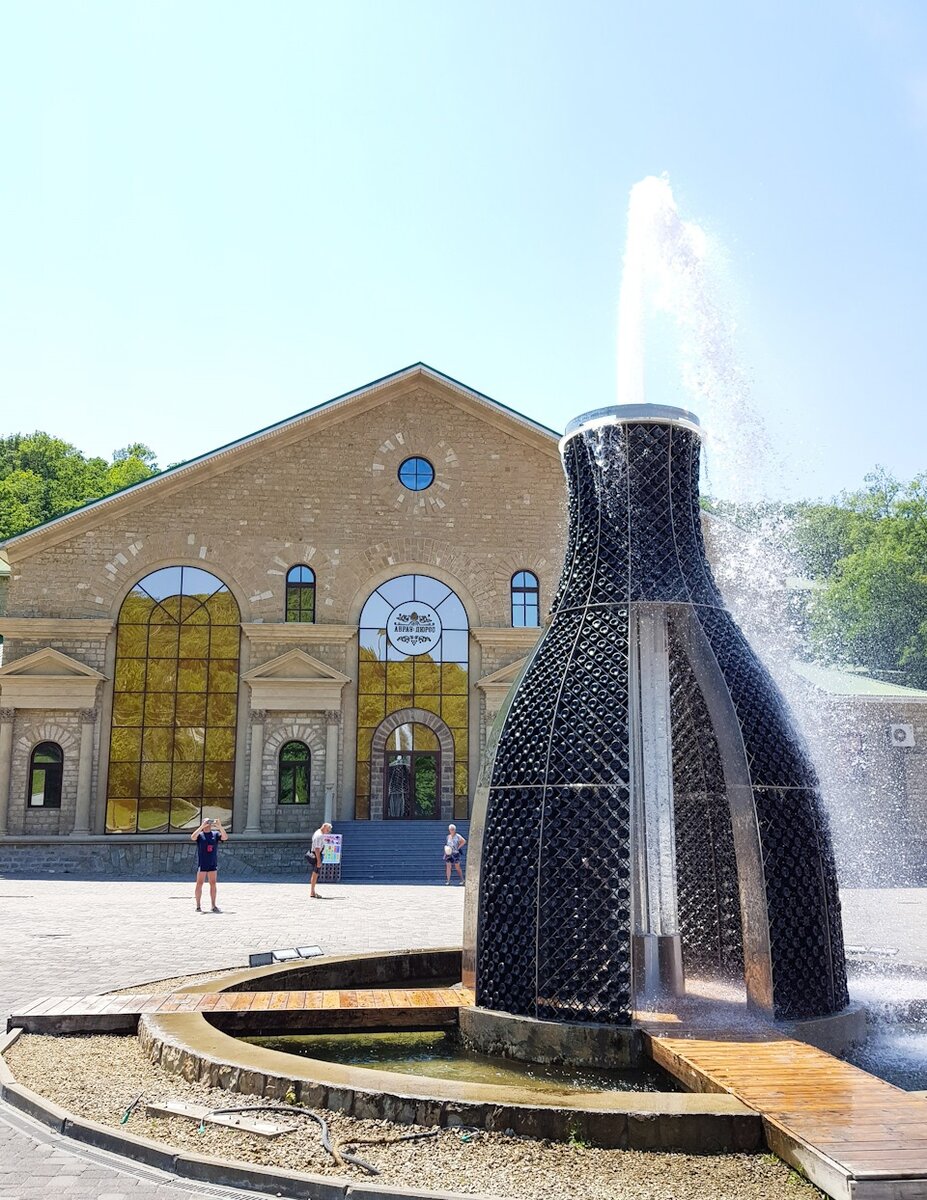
<point>74,937</point>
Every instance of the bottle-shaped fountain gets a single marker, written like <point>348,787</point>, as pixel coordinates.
<point>646,805</point>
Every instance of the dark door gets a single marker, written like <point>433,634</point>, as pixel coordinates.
<point>410,785</point>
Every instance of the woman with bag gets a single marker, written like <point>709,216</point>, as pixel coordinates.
<point>452,848</point>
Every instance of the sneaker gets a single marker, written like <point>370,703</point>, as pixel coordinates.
<point>198,909</point>
<point>215,909</point>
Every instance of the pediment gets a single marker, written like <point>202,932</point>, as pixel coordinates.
<point>504,676</point>
<point>48,663</point>
<point>295,666</point>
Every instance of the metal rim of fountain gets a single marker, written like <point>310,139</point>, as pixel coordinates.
<point>630,414</point>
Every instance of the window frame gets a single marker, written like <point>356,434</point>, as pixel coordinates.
<point>416,459</point>
<point>55,775</point>
<point>299,588</point>
<point>519,594</point>
<point>292,769</point>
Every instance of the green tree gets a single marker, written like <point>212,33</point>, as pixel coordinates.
<point>869,552</point>
<point>43,476</point>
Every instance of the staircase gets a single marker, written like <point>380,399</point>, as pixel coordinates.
<point>396,851</point>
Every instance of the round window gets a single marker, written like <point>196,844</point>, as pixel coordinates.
<point>416,474</point>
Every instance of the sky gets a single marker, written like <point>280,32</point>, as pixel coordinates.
<point>214,215</point>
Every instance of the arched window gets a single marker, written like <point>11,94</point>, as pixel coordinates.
<point>45,769</point>
<point>175,704</point>
<point>526,600</point>
<point>293,773</point>
<point>300,594</point>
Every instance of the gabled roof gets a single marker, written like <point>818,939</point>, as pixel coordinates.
<point>190,469</point>
<point>48,663</point>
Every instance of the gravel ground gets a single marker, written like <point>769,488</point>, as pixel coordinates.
<point>97,1077</point>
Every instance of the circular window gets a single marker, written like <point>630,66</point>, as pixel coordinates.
<point>416,474</point>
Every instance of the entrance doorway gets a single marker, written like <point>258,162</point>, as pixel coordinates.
<point>411,774</point>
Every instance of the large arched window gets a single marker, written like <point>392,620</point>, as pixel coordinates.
<point>293,773</point>
<point>526,600</point>
<point>300,594</point>
<point>175,703</point>
<point>45,770</point>
<point>414,653</point>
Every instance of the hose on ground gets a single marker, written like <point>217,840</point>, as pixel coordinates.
<point>339,1150</point>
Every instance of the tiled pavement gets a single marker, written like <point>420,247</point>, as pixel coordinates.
<point>62,936</point>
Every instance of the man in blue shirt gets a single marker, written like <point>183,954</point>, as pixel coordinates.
<point>207,839</point>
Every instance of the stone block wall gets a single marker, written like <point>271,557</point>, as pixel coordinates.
<point>31,727</point>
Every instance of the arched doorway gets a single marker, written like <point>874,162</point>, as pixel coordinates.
<point>412,774</point>
<point>413,670</point>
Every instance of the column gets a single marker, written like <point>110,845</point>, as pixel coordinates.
<point>6,763</point>
<point>332,720</point>
<point>253,814</point>
<point>88,717</point>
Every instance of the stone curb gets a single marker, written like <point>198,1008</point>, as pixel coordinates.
<point>197,1167</point>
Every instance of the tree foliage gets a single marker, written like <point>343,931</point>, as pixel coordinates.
<point>42,477</point>
<point>868,550</point>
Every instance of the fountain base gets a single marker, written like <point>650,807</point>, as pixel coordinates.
<point>527,1039</point>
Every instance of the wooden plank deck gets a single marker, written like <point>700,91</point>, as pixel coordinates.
<point>71,1014</point>
<point>852,1134</point>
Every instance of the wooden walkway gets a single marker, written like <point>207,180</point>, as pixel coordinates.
<point>853,1135</point>
<point>273,1012</point>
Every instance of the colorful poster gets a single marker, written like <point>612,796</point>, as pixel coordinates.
<point>331,849</point>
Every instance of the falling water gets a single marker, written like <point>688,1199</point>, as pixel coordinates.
<point>677,338</point>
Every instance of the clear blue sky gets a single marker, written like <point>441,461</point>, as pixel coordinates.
<point>216,214</point>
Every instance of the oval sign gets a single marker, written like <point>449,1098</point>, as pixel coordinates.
<point>413,627</point>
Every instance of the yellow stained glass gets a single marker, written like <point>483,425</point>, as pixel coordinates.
<point>424,738</point>
<point>130,675</point>
<point>191,708</point>
<point>370,710</point>
<point>454,679</point>
<point>364,737</point>
<point>136,610</point>
<point>454,710</point>
<point>159,708</point>
<point>430,704</point>
<point>168,611</point>
<point>461,777</point>
<point>218,779</point>
<point>223,609</point>
<point>187,779</point>
<point>123,778</point>
<point>362,785</point>
<point>223,708</point>
<point>127,708</point>
<point>158,744</point>
<point>132,641</point>
<point>223,675</point>
<point>125,745</point>
<point>221,808</point>
<point>460,743</point>
<point>372,677</point>
<point>185,814</point>
<point>192,674</point>
<point>362,807</point>
<point>461,807</point>
<point>427,676</point>
<point>155,779</point>
<point>189,744</point>
<point>398,677</point>
<point>220,743</point>
<point>195,612</point>
<point>162,641</point>
<point>223,641</point>
<point>162,674</point>
<point>194,641</point>
<point>121,815</point>
<point>400,700</point>
<point>153,814</point>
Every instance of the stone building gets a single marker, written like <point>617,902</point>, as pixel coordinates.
<point>316,621</point>
<point>320,620</point>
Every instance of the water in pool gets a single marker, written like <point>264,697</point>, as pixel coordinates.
<point>440,1056</point>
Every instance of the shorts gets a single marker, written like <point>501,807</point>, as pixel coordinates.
<point>207,866</point>
<point>452,858</point>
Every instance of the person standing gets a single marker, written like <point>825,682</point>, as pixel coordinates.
<point>207,839</point>
<point>452,848</point>
<point>315,855</point>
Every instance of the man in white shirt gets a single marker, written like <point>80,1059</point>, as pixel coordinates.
<point>318,841</point>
